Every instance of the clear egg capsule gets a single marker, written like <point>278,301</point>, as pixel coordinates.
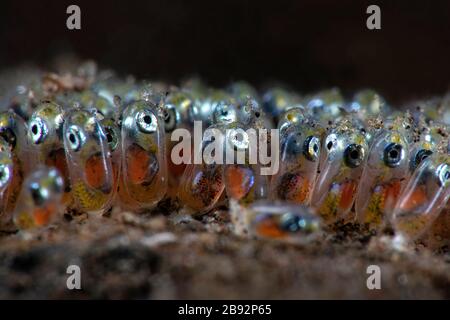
<point>283,221</point>
<point>179,102</point>
<point>6,177</point>
<point>45,128</point>
<point>13,133</point>
<point>299,162</point>
<point>202,184</point>
<point>368,103</point>
<point>225,113</point>
<point>241,91</point>
<point>143,181</point>
<point>113,139</point>
<point>423,198</point>
<point>325,105</point>
<point>13,130</point>
<point>203,108</point>
<point>89,161</point>
<point>429,139</point>
<point>292,117</point>
<point>345,152</point>
<point>383,177</point>
<point>91,100</point>
<point>40,199</point>
<point>277,100</point>
<point>175,116</point>
<point>252,115</point>
<point>243,178</point>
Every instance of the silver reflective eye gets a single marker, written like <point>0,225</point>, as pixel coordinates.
<point>443,174</point>
<point>224,113</point>
<point>146,121</point>
<point>421,155</point>
<point>238,139</point>
<point>75,138</point>
<point>38,130</point>
<point>171,118</point>
<point>394,153</point>
<point>311,148</point>
<point>354,155</point>
<point>331,142</point>
<point>5,175</point>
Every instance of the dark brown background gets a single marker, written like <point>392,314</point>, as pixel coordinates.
<point>307,44</point>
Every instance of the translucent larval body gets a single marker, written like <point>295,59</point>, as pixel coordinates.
<point>203,107</point>
<point>423,198</point>
<point>201,184</point>
<point>6,177</point>
<point>299,162</point>
<point>243,179</point>
<point>345,151</point>
<point>383,176</point>
<point>112,133</point>
<point>45,128</point>
<point>143,181</point>
<point>283,221</point>
<point>13,133</point>
<point>176,116</point>
<point>40,198</point>
<point>89,162</point>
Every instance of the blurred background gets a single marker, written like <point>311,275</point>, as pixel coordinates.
<point>306,44</point>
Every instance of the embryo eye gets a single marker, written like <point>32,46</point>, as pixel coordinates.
<point>146,121</point>
<point>311,148</point>
<point>393,154</point>
<point>354,155</point>
<point>75,138</point>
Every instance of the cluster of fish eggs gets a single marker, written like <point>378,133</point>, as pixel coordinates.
<point>86,142</point>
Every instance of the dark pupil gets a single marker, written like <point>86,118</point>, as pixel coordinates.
<point>329,145</point>
<point>9,136</point>
<point>109,137</point>
<point>147,119</point>
<point>291,224</point>
<point>447,175</point>
<point>393,154</point>
<point>354,154</point>
<point>224,112</point>
<point>315,148</point>
<point>34,129</point>
<point>37,196</point>
<point>1,175</point>
<point>72,138</point>
<point>239,137</point>
<point>257,114</point>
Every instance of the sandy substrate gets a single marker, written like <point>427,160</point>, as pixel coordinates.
<point>159,256</point>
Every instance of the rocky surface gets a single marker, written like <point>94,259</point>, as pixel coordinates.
<point>159,256</point>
